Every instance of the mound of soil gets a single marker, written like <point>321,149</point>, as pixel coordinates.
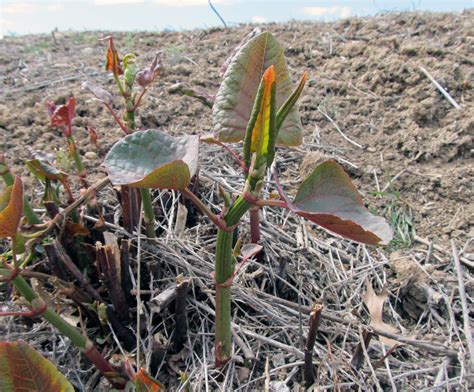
<point>369,104</point>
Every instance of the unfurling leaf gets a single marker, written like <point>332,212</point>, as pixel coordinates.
<point>112,63</point>
<point>261,129</point>
<point>11,208</point>
<point>93,137</point>
<point>147,75</point>
<point>290,102</point>
<point>375,304</point>
<point>145,383</point>
<point>129,70</point>
<point>328,198</point>
<point>43,170</point>
<point>98,92</point>
<point>153,159</point>
<point>23,369</point>
<point>62,115</point>
<point>234,101</point>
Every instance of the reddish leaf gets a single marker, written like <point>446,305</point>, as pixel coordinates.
<point>11,207</point>
<point>234,101</point>
<point>62,115</point>
<point>24,369</point>
<point>146,383</point>
<point>328,198</point>
<point>112,58</point>
<point>148,75</point>
<point>93,137</point>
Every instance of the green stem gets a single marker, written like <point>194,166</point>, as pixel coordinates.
<point>50,315</point>
<point>224,269</point>
<point>81,171</point>
<point>30,215</point>
<point>129,115</point>
<point>73,333</point>
<point>148,213</point>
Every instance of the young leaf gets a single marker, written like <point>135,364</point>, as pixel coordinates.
<point>290,102</point>
<point>328,198</point>
<point>11,208</point>
<point>62,115</point>
<point>146,383</point>
<point>153,159</point>
<point>112,58</point>
<point>261,130</point>
<point>129,69</point>
<point>43,170</point>
<point>148,75</point>
<point>23,369</point>
<point>98,92</point>
<point>236,95</point>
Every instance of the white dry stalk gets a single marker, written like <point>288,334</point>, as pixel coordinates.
<point>440,88</point>
<point>465,310</point>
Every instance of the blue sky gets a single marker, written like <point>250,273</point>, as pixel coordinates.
<point>42,16</point>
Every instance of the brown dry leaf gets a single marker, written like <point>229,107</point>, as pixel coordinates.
<point>375,304</point>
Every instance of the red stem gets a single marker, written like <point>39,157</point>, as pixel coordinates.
<point>137,103</point>
<point>239,161</point>
<point>117,120</point>
<point>255,224</point>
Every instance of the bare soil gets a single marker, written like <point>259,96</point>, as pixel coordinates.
<point>409,150</point>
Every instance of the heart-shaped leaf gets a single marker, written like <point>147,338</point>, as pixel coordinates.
<point>328,198</point>
<point>236,95</point>
<point>145,383</point>
<point>23,369</point>
<point>11,208</point>
<point>43,170</point>
<point>153,159</point>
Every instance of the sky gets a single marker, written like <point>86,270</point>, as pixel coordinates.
<point>19,17</point>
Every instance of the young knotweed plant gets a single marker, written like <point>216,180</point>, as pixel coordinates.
<point>62,116</point>
<point>127,76</point>
<point>152,159</point>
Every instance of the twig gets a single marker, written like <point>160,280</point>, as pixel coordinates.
<point>440,88</point>
<point>394,178</point>
<point>438,248</point>
<point>339,129</point>
<point>358,357</point>
<point>465,310</point>
<point>430,346</point>
<point>314,318</point>
<point>217,13</point>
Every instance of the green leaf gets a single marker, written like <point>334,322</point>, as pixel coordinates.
<point>11,208</point>
<point>43,170</point>
<point>328,198</point>
<point>24,369</point>
<point>261,129</point>
<point>236,95</point>
<point>153,159</point>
